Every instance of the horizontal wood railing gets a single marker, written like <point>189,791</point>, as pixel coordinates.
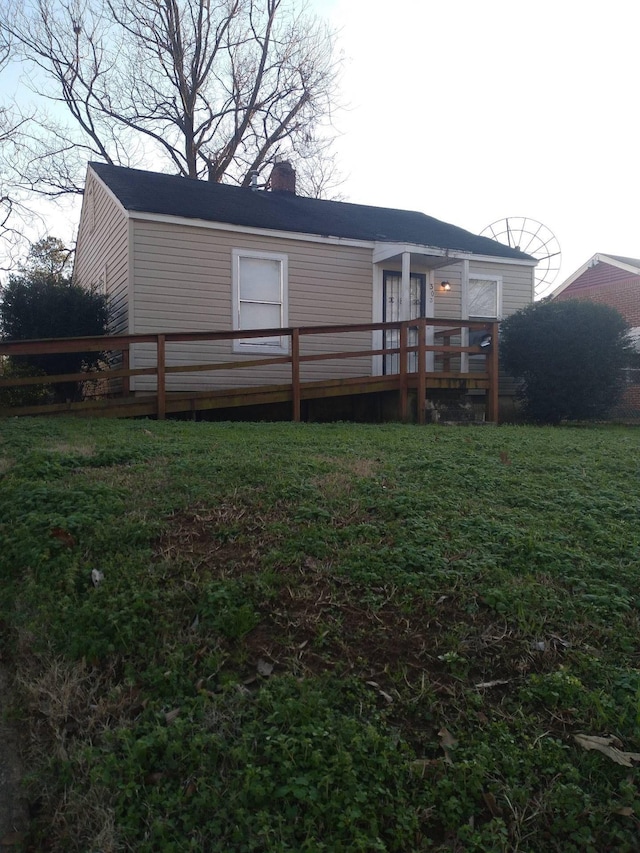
<point>443,332</point>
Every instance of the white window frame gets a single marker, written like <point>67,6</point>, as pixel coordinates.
<point>278,345</point>
<point>497,279</point>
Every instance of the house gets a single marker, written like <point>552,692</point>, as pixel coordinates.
<point>175,254</point>
<point>611,280</point>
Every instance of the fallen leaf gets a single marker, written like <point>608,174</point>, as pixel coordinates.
<point>504,457</point>
<point>170,716</point>
<point>447,742</point>
<point>264,668</point>
<point>605,746</point>
<point>625,811</point>
<point>492,804</point>
<point>63,536</point>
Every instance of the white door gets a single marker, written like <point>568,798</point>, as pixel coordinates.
<point>392,310</point>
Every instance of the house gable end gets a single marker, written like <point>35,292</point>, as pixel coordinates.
<point>599,270</point>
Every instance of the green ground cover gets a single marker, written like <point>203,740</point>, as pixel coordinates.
<point>323,637</point>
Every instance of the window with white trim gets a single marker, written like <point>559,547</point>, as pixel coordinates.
<point>260,299</point>
<point>485,297</point>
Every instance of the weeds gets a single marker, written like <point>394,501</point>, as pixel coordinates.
<point>330,637</point>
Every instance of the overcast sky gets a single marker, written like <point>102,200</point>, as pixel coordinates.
<point>474,111</point>
<point>477,110</point>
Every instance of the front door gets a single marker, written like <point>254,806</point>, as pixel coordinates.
<point>392,310</point>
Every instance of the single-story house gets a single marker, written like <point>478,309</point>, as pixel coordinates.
<point>612,280</point>
<point>181,255</point>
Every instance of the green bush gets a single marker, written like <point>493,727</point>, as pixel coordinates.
<point>569,359</point>
<point>42,302</point>
<point>21,395</point>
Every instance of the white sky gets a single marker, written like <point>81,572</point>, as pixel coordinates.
<point>475,110</point>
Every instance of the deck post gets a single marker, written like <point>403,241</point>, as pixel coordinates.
<point>403,379</point>
<point>494,376</point>
<point>126,365</point>
<point>295,374</point>
<point>422,371</point>
<point>160,366</point>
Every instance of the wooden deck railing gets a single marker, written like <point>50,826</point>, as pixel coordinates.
<point>404,379</point>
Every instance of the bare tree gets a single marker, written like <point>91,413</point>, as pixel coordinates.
<point>13,211</point>
<point>201,88</point>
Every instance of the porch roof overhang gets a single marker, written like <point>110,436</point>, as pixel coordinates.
<point>434,257</point>
<point>429,256</point>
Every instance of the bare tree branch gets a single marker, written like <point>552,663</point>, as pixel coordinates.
<point>203,88</point>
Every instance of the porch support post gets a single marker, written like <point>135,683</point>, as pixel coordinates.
<point>404,314</point>
<point>430,311</point>
<point>405,287</point>
<point>494,376</point>
<point>403,378</point>
<point>464,335</point>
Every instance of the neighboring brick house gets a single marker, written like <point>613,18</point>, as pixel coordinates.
<point>615,281</point>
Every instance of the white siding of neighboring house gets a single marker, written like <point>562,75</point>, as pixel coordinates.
<point>183,283</point>
<point>102,250</point>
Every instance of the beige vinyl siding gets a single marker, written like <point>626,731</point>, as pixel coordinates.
<point>102,250</point>
<point>448,304</point>
<point>183,283</point>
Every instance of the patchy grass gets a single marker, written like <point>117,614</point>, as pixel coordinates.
<point>336,637</point>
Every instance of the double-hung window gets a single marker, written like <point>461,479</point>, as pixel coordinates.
<point>485,297</point>
<point>260,299</point>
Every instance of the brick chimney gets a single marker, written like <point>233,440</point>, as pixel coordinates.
<point>283,178</point>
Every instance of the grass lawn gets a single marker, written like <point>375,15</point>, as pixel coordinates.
<point>279,637</point>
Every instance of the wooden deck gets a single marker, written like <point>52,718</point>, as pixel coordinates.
<point>160,402</point>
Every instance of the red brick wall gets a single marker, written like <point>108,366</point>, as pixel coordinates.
<point>608,285</point>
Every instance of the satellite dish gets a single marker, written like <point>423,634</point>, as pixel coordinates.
<point>536,240</point>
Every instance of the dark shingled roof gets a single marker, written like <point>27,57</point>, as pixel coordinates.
<point>632,262</point>
<point>151,192</point>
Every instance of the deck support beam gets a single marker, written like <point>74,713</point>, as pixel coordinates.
<point>162,385</point>
<point>295,374</point>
